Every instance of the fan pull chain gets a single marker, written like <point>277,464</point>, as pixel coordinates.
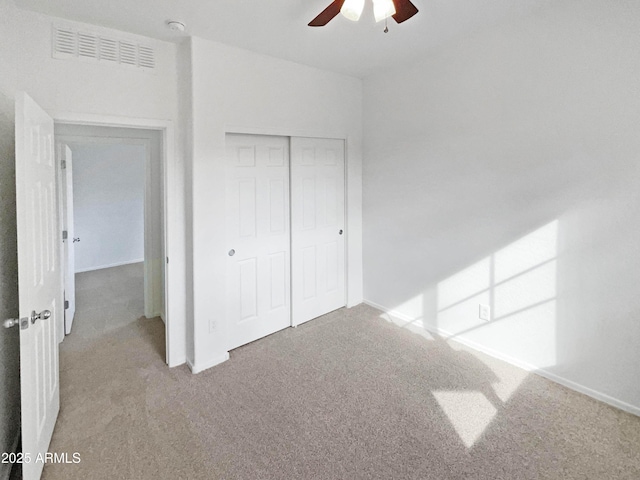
<point>386,28</point>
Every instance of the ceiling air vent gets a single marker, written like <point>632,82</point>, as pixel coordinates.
<point>69,43</point>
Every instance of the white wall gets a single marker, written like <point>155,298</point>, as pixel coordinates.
<point>67,88</point>
<point>185,111</point>
<point>504,170</point>
<point>108,200</point>
<point>239,91</point>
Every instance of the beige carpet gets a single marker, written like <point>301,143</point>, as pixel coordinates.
<point>106,299</point>
<point>346,396</point>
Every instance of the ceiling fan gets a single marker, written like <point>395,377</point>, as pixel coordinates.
<point>400,10</point>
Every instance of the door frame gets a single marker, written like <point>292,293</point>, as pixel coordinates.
<point>62,187</point>
<point>289,133</point>
<point>148,144</point>
<point>174,327</point>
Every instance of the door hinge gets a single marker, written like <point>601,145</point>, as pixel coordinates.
<point>63,164</point>
<point>66,304</point>
<point>65,234</point>
<point>167,259</point>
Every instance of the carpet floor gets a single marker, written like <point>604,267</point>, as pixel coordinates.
<point>346,396</point>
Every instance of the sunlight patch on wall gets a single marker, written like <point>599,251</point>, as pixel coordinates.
<point>519,284</point>
<point>527,253</point>
<point>467,283</point>
<point>525,290</point>
<point>528,336</point>
<point>463,315</point>
<point>469,413</point>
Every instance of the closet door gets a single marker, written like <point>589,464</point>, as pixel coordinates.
<point>317,227</point>
<point>258,238</point>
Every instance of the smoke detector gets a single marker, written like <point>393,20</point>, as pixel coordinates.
<point>175,26</point>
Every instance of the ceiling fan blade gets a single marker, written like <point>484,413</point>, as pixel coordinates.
<point>404,10</point>
<point>327,14</point>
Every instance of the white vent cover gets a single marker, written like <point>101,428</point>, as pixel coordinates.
<point>69,43</point>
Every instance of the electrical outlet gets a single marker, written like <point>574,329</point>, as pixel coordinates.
<point>484,312</point>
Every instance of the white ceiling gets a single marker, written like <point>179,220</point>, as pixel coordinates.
<point>279,27</point>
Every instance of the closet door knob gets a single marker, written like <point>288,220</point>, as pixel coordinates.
<point>232,252</point>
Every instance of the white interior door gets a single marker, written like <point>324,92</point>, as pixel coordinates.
<point>317,227</point>
<point>69,265</point>
<point>39,279</point>
<point>258,241</point>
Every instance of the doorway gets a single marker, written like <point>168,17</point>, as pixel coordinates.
<point>285,232</point>
<point>112,203</point>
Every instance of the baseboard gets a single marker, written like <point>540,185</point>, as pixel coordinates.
<point>603,397</point>
<point>5,468</point>
<point>389,311</point>
<point>197,368</point>
<point>111,265</point>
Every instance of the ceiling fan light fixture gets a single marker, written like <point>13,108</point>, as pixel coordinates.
<point>383,9</point>
<point>352,9</point>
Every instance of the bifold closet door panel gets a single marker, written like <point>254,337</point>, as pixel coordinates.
<point>258,237</point>
<point>317,227</point>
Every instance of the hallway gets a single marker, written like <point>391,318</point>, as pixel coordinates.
<point>106,300</point>
<point>100,363</point>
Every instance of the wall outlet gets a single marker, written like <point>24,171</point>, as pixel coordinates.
<point>484,312</point>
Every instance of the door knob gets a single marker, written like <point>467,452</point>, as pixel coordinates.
<point>340,232</point>
<point>232,252</point>
<point>43,315</point>
<point>77,239</point>
<point>12,322</point>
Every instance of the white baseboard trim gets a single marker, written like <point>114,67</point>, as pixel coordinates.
<point>603,397</point>
<point>5,468</point>
<point>388,311</point>
<point>111,265</point>
<point>197,368</point>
